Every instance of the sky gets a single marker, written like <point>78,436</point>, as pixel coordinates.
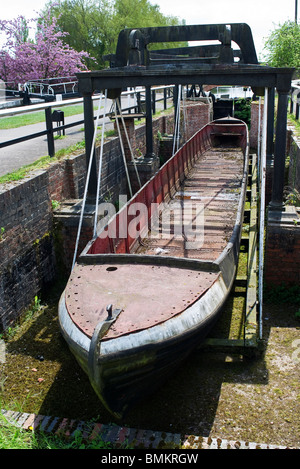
<point>261,15</point>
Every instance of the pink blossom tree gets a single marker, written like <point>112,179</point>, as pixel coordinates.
<point>47,56</point>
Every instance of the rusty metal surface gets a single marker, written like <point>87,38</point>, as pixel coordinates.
<point>147,294</point>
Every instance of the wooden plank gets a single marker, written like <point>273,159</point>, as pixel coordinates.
<point>128,116</point>
<point>236,346</point>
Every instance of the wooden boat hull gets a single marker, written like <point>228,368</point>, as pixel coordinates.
<point>165,305</point>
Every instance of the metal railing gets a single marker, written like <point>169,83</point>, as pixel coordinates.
<point>295,99</point>
<point>51,116</point>
<point>36,88</point>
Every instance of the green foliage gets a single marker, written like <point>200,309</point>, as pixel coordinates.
<point>94,25</point>
<point>87,23</point>
<point>24,170</point>
<point>283,46</point>
<point>55,204</point>
<point>283,295</point>
<point>242,110</point>
<point>13,437</point>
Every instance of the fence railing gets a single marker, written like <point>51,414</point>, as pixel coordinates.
<point>295,99</point>
<point>158,94</point>
<point>52,87</point>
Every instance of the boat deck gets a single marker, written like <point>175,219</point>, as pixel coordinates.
<point>150,294</point>
<point>209,195</point>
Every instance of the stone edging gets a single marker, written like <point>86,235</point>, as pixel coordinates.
<point>124,436</point>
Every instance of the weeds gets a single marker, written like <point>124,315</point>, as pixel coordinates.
<point>15,437</point>
<point>35,308</point>
<point>292,196</point>
<point>55,204</point>
<point>283,295</point>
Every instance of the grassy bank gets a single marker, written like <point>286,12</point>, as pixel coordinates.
<point>30,118</point>
<point>44,161</point>
<point>13,437</point>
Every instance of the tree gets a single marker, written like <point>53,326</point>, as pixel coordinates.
<point>88,23</point>
<point>95,24</point>
<point>283,46</point>
<point>47,56</point>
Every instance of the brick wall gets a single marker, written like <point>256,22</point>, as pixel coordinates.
<point>282,252</point>
<point>160,125</point>
<point>255,122</point>
<point>282,246</point>
<point>198,113</point>
<point>26,248</point>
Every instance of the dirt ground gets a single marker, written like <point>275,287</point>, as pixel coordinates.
<point>212,394</point>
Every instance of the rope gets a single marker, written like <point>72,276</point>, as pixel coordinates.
<point>86,184</point>
<point>177,121</point>
<point>129,144</point>
<point>100,166</point>
<point>122,149</point>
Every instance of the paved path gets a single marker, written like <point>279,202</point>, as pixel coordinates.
<point>20,154</point>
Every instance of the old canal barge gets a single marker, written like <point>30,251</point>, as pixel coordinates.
<point>149,287</point>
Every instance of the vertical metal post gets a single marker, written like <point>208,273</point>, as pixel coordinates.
<point>149,130</point>
<point>270,123</point>
<point>88,134</point>
<point>259,135</point>
<point>263,168</point>
<point>175,100</point>
<point>280,152</point>
<point>138,102</point>
<point>292,101</point>
<point>49,127</point>
<point>153,101</point>
<point>165,98</point>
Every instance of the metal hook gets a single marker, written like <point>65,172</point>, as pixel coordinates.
<point>109,311</point>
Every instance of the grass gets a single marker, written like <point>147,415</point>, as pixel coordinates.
<point>295,122</point>
<point>24,170</point>
<point>44,161</point>
<point>37,117</point>
<point>15,437</point>
<point>12,437</point>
